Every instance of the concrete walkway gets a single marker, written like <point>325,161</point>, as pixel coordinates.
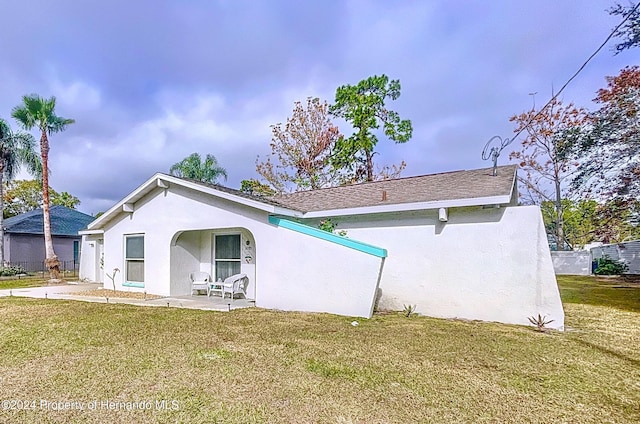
<point>73,291</point>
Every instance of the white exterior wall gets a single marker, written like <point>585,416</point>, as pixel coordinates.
<point>484,264</point>
<point>289,270</point>
<point>91,249</point>
<point>303,273</point>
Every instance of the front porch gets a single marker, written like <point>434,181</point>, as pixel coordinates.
<point>218,252</point>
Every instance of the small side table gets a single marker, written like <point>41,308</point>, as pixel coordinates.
<point>217,286</point>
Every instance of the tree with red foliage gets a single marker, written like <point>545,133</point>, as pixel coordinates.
<point>546,169</point>
<point>300,150</point>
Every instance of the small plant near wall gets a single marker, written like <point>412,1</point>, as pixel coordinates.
<point>409,310</point>
<point>540,322</point>
<point>112,277</point>
<point>608,266</point>
<point>329,226</point>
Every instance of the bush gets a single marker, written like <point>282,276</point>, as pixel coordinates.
<point>608,266</point>
<point>10,271</point>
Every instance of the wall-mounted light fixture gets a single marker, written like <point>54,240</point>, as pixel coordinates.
<point>442,215</point>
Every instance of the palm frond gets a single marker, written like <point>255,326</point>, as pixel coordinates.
<point>58,124</point>
<point>195,168</point>
<point>40,112</point>
<point>17,149</point>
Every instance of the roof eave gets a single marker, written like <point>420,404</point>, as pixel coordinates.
<point>90,232</point>
<point>406,207</point>
<point>153,182</point>
<point>114,210</point>
<point>227,196</point>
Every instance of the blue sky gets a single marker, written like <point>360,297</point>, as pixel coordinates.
<point>151,81</point>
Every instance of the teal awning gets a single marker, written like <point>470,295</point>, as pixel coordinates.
<point>330,237</point>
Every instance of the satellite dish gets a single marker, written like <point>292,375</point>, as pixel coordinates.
<point>492,150</point>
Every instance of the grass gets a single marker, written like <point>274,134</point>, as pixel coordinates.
<point>621,293</point>
<point>7,283</point>
<point>258,366</point>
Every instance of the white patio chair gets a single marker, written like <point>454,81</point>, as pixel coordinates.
<point>235,284</point>
<point>200,281</point>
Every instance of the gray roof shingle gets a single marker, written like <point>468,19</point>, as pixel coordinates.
<point>64,222</point>
<point>426,188</point>
<point>269,200</point>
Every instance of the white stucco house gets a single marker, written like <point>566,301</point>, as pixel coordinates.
<point>454,244</point>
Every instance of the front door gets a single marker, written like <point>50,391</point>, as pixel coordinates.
<point>226,255</point>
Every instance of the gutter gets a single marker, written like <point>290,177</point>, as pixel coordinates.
<point>406,207</point>
<point>90,232</point>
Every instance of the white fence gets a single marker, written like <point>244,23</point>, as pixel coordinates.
<point>627,252</point>
<point>572,263</point>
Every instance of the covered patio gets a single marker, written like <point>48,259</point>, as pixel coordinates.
<point>218,252</point>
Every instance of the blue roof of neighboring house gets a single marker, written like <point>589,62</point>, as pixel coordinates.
<point>64,222</point>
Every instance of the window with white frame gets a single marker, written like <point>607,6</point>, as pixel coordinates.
<point>134,258</point>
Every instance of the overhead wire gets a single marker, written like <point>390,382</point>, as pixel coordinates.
<point>586,62</point>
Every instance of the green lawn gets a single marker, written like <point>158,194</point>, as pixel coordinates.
<point>22,282</point>
<point>258,366</point>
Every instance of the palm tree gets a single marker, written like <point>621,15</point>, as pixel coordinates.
<point>39,112</point>
<point>16,149</point>
<point>194,168</point>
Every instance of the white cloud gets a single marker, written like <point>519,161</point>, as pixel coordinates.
<point>147,92</point>
<point>77,94</point>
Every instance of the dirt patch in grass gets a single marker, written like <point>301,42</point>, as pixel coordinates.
<point>117,294</point>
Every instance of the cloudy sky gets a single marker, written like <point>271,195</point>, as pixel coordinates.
<point>151,81</point>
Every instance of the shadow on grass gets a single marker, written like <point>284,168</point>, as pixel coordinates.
<point>632,361</point>
<point>620,293</point>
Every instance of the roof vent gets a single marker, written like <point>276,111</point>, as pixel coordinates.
<point>384,195</point>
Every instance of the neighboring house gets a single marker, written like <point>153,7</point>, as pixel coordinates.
<point>24,236</point>
<point>454,244</point>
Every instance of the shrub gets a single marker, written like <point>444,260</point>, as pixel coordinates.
<point>327,225</point>
<point>330,227</point>
<point>10,271</point>
<point>608,266</point>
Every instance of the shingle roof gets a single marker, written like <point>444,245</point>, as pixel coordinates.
<point>64,222</point>
<point>455,185</point>
<point>436,188</point>
<point>269,200</point>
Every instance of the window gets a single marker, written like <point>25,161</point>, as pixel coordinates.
<point>227,255</point>
<point>134,258</point>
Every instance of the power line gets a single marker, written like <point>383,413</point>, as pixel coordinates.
<point>555,96</point>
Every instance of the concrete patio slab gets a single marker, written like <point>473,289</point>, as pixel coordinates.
<point>73,291</point>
